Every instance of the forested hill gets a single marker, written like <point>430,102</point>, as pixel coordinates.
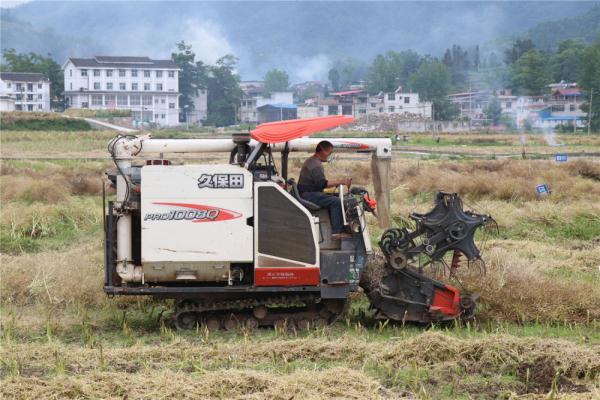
<point>547,35</point>
<point>304,38</point>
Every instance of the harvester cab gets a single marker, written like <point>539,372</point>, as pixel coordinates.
<point>235,243</point>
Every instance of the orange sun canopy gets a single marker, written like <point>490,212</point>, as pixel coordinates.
<point>283,131</point>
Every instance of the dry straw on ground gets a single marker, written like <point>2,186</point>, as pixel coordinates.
<point>301,368</point>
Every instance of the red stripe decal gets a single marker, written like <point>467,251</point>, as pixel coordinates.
<point>223,215</point>
<point>287,276</point>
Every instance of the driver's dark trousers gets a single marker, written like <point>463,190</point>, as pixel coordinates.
<point>333,204</point>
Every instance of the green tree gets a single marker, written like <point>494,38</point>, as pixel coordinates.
<point>530,73</point>
<point>519,47</point>
<point>276,81</point>
<point>493,111</point>
<point>32,62</point>
<point>334,78</point>
<point>224,93</point>
<point>391,70</point>
<point>193,75</point>
<point>432,82</point>
<point>590,80</point>
<point>457,61</point>
<point>567,62</point>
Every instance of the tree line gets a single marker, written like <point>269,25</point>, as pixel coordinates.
<point>523,68</point>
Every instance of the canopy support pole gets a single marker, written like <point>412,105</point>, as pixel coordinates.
<point>380,171</point>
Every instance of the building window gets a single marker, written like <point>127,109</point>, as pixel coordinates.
<point>19,86</point>
<point>121,73</point>
<point>159,87</point>
<point>171,105</point>
<point>122,100</point>
<point>70,72</point>
<point>508,105</point>
<point>156,100</point>
<point>109,73</point>
<point>39,86</point>
<point>29,97</point>
<point>391,96</point>
<point>71,86</point>
<point>8,85</point>
<point>96,85</point>
<point>162,101</point>
<point>29,107</point>
<point>558,107</point>
<point>96,99</point>
<point>109,86</point>
<point>40,97</point>
<point>134,86</point>
<point>84,72</point>
<point>39,106</point>
<point>572,107</point>
<point>146,86</point>
<point>146,100</point>
<point>373,105</point>
<point>109,100</point>
<point>18,107</point>
<point>171,74</point>
<point>407,100</point>
<point>391,109</point>
<point>18,97</point>
<point>122,86</point>
<point>134,100</point>
<point>159,74</point>
<point>155,116</point>
<point>362,111</point>
<point>96,72</point>
<point>162,116</point>
<point>146,73</point>
<point>30,87</point>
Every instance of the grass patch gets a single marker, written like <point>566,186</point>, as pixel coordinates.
<point>48,226</point>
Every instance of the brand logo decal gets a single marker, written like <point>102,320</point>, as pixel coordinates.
<point>193,213</point>
<point>221,181</point>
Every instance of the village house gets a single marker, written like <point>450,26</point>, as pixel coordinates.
<point>24,91</point>
<point>399,102</point>
<point>150,88</point>
<point>256,107</point>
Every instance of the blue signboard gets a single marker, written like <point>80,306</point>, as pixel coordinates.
<point>542,189</point>
<point>561,157</point>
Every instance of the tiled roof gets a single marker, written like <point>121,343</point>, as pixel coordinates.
<point>122,62</point>
<point>347,92</point>
<point>23,76</point>
<point>569,92</point>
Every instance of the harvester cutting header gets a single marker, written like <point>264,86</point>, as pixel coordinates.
<point>242,243</point>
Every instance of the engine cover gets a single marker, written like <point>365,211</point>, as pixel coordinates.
<point>194,221</point>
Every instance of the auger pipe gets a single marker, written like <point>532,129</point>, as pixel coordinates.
<point>144,145</point>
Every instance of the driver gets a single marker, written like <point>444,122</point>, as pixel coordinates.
<point>312,181</point>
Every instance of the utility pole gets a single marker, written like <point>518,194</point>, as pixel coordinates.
<point>590,112</point>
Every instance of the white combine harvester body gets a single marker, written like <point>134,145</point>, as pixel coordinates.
<point>235,243</point>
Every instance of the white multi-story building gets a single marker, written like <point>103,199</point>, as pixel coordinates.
<point>24,91</point>
<point>399,102</point>
<point>150,88</point>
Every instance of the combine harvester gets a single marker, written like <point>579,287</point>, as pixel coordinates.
<point>235,245</point>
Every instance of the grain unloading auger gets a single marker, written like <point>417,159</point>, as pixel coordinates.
<point>235,244</point>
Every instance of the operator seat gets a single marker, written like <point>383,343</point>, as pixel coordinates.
<point>296,194</point>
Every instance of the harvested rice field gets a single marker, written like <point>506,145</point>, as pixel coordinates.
<point>536,332</point>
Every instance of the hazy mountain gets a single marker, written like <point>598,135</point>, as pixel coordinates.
<point>301,37</point>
